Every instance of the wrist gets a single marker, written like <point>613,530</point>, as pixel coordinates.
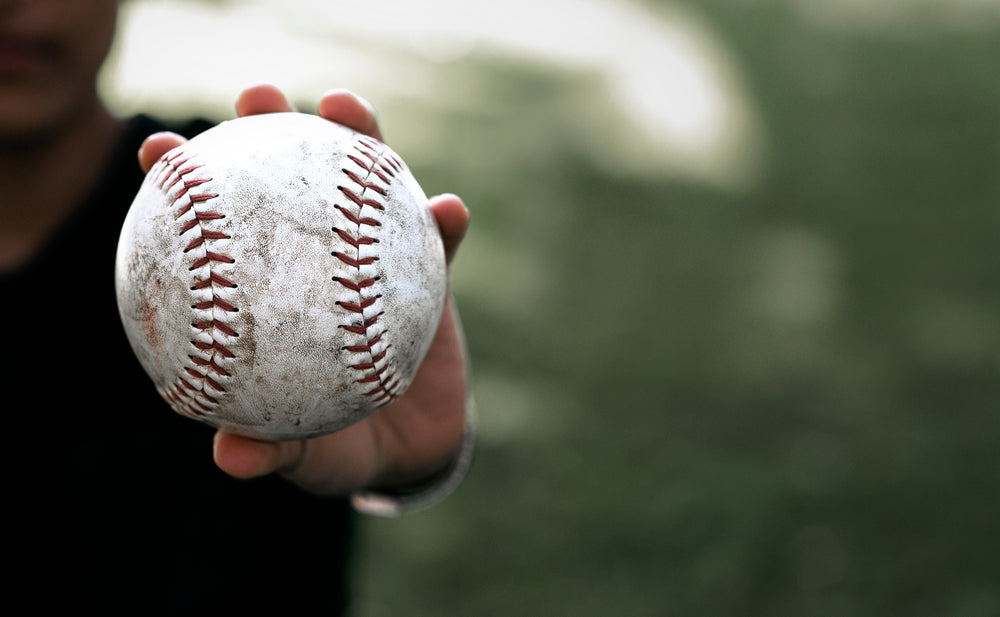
<point>399,494</point>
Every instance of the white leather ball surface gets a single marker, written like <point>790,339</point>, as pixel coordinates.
<point>280,276</point>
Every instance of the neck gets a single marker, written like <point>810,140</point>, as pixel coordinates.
<point>43,179</point>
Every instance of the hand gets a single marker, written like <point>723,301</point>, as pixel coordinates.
<point>405,443</point>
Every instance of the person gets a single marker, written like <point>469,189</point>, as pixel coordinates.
<point>116,503</point>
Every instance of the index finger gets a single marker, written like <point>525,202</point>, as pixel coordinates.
<point>258,99</point>
<point>155,146</point>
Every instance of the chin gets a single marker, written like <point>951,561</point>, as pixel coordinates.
<point>27,117</point>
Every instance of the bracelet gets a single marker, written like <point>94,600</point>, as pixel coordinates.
<point>422,497</point>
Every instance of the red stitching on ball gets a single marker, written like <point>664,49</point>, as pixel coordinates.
<point>213,278</point>
<point>370,168</point>
<point>354,241</point>
<point>214,345</point>
<point>358,199</point>
<point>367,348</point>
<point>358,307</point>
<point>190,393</point>
<point>358,220</point>
<point>365,192</point>
<point>209,365</point>
<point>210,257</point>
<point>351,261</point>
<point>356,286</point>
<point>364,184</point>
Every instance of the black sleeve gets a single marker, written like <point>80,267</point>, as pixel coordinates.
<point>116,503</point>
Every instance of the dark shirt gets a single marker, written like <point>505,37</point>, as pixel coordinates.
<point>113,502</point>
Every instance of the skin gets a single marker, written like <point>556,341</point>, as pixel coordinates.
<point>53,125</point>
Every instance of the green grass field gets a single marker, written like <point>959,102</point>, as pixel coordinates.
<point>782,400</point>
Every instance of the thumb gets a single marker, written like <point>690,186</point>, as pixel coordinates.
<point>452,217</point>
<point>246,458</point>
<point>155,146</point>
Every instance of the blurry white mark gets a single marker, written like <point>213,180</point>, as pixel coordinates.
<point>681,109</point>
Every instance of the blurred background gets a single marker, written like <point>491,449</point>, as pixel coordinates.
<point>732,288</point>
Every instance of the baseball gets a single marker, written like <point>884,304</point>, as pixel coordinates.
<point>280,276</point>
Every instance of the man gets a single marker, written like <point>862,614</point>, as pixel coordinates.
<point>116,502</point>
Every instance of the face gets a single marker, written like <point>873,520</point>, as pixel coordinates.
<point>50,53</point>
